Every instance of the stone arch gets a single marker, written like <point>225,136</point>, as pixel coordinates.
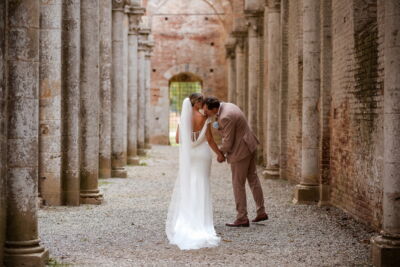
<point>185,68</point>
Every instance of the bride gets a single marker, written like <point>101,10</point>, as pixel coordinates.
<point>190,217</point>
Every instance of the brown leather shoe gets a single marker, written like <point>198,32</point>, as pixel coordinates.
<point>260,218</point>
<point>239,224</point>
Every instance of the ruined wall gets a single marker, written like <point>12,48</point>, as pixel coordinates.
<point>189,37</point>
<point>3,128</point>
<point>294,95</point>
<point>357,99</point>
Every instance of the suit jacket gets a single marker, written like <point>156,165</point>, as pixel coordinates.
<point>238,141</point>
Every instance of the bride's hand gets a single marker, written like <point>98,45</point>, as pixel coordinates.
<point>221,158</point>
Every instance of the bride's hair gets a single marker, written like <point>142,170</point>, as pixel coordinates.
<point>195,98</point>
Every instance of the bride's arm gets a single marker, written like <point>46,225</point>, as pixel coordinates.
<point>177,135</point>
<point>211,142</point>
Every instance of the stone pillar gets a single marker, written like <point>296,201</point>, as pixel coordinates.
<point>325,106</point>
<point>147,126</point>
<point>90,102</point>
<point>142,90</point>
<point>272,86</point>
<point>22,246</point>
<point>386,247</point>
<point>3,127</point>
<point>283,90</point>
<point>119,113</point>
<point>71,58</point>
<point>308,189</point>
<point>134,18</point>
<point>254,68</point>
<point>240,62</point>
<point>50,103</point>
<point>105,88</point>
<point>230,55</point>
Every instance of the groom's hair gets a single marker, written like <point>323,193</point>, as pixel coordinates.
<point>211,102</point>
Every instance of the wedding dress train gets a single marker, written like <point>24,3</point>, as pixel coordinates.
<point>190,215</point>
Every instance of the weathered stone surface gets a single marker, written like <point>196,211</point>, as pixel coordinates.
<point>189,37</point>
<point>71,101</point>
<point>23,121</point>
<point>254,35</point>
<point>141,92</point>
<point>105,88</point>
<point>50,184</point>
<point>386,248</point>
<point>134,18</point>
<point>149,111</point>
<point>3,129</point>
<point>119,116</point>
<point>90,102</point>
<point>272,86</point>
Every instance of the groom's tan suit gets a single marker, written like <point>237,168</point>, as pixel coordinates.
<point>239,145</point>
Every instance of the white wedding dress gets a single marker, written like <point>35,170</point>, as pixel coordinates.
<point>190,217</point>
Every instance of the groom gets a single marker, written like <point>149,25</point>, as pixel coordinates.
<point>239,146</point>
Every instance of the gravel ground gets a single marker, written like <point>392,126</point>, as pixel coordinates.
<point>128,228</point>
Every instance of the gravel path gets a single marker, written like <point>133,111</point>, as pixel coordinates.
<point>128,229</point>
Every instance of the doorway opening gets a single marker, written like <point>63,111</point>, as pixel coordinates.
<point>180,87</point>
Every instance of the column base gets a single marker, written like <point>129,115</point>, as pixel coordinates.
<point>271,173</point>
<point>324,195</point>
<point>104,173</point>
<point>133,161</point>
<point>25,253</point>
<point>141,152</point>
<point>385,251</point>
<point>147,146</point>
<point>306,194</point>
<point>119,173</point>
<point>91,197</point>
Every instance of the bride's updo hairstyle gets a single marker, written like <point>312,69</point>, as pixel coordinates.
<point>196,98</point>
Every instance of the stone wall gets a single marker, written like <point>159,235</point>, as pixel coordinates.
<point>189,37</point>
<point>3,127</point>
<point>294,95</point>
<point>338,115</point>
<point>357,102</point>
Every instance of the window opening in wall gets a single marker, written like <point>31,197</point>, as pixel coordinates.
<point>180,87</point>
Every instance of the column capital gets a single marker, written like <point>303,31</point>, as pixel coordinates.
<point>273,5</point>
<point>254,23</point>
<point>135,14</point>
<point>253,5</point>
<point>119,5</point>
<point>230,46</point>
<point>240,37</point>
<point>142,46</point>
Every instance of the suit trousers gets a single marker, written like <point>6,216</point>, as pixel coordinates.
<point>243,170</point>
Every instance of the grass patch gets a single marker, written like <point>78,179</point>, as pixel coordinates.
<point>104,182</point>
<point>142,164</point>
<point>53,262</point>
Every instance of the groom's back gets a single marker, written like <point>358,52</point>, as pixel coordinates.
<point>245,141</point>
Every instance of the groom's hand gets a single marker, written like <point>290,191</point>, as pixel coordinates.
<point>221,158</point>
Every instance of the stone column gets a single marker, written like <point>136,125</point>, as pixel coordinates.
<point>253,21</point>
<point>71,101</point>
<point>273,86</point>
<point>50,103</point>
<point>22,246</point>
<point>386,247</point>
<point>90,102</point>
<point>142,90</point>
<point>134,18</point>
<point>147,125</point>
<point>230,55</point>
<point>119,113</point>
<point>308,189</point>
<point>105,88</point>
<point>240,62</point>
